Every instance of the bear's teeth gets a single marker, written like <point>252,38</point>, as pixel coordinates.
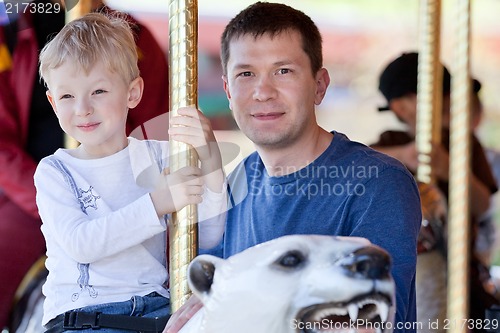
<point>353,311</point>
<point>329,312</point>
<point>383,310</point>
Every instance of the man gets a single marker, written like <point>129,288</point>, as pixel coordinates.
<point>303,179</point>
<point>398,84</point>
<point>29,131</point>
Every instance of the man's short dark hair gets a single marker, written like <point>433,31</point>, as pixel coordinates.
<point>273,18</point>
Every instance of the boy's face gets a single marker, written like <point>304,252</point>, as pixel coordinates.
<point>271,89</point>
<point>92,107</point>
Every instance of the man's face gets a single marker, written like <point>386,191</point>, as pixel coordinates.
<point>271,89</point>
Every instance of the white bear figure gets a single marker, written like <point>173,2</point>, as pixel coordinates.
<point>299,283</point>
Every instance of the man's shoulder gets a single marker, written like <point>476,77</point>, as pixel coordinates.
<point>360,155</point>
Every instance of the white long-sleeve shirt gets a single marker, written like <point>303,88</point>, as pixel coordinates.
<point>105,242</point>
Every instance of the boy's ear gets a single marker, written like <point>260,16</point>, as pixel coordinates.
<point>51,100</point>
<point>135,90</point>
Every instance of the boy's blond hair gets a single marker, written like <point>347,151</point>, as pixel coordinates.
<point>93,37</point>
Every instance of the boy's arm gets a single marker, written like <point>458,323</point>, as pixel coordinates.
<point>213,208</point>
<point>212,213</point>
<point>193,128</point>
<point>83,238</point>
<point>177,190</point>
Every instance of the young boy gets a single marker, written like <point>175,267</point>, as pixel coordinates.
<point>103,204</point>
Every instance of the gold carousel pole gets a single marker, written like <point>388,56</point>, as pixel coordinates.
<point>431,265</point>
<point>458,231</point>
<point>183,58</point>
<point>79,9</point>
<point>429,87</point>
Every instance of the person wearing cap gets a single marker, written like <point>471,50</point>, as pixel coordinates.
<point>398,84</point>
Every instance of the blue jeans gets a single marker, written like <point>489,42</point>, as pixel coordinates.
<point>149,306</point>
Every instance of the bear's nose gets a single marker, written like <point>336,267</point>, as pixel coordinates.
<point>368,263</point>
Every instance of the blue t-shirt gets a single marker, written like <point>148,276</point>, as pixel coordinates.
<point>349,190</point>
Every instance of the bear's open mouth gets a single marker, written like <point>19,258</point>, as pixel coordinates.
<point>362,314</point>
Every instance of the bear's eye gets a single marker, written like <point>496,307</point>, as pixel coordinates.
<point>291,259</point>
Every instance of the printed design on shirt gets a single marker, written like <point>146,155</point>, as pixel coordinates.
<point>86,199</point>
<point>83,282</point>
<point>68,178</point>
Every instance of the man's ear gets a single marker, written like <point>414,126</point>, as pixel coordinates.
<point>226,89</point>
<point>322,83</point>
<point>201,273</point>
<point>135,90</point>
<point>51,100</point>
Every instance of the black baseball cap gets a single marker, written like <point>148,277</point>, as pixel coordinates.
<point>400,78</point>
